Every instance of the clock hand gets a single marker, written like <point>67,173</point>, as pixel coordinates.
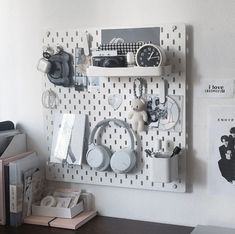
<point>153,57</point>
<point>150,56</point>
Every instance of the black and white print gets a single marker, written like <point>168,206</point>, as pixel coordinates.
<point>227,156</point>
<point>222,149</point>
<point>164,116</point>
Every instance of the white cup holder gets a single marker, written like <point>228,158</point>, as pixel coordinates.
<point>164,169</point>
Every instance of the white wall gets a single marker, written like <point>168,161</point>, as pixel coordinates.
<point>212,36</point>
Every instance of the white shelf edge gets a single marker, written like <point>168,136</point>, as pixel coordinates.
<point>128,71</point>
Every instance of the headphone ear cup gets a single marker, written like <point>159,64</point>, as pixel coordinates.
<point>98,157</point>
<point>123,161</point>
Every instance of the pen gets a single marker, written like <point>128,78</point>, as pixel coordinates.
<point>176,150</point>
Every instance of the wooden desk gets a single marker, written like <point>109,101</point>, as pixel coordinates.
<point>103,225</point>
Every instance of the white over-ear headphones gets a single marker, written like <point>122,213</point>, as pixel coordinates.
<point>100,157</point>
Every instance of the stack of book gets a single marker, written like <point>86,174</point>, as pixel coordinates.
<point>20,173</point>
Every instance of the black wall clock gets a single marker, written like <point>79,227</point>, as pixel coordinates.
<point>150,55</point>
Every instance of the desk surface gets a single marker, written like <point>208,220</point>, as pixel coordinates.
<point>103,225</point>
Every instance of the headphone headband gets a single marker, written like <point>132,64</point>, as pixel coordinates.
<point>118,122</point>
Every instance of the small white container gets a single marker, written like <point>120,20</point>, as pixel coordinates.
<point>164,169</point>
<point>57,211</point>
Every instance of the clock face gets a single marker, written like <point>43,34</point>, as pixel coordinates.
<point>148,55</point>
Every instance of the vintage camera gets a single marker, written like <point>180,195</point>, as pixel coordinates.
<point>109,61</point>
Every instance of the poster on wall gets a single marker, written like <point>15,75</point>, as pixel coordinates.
<point>222,149</point>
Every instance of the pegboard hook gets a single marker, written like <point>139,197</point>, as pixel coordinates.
<point>174,27</point>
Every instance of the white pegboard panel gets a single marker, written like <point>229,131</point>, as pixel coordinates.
<point>95,105</point>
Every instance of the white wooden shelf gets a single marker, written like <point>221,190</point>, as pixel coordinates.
<point>129,71</point>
